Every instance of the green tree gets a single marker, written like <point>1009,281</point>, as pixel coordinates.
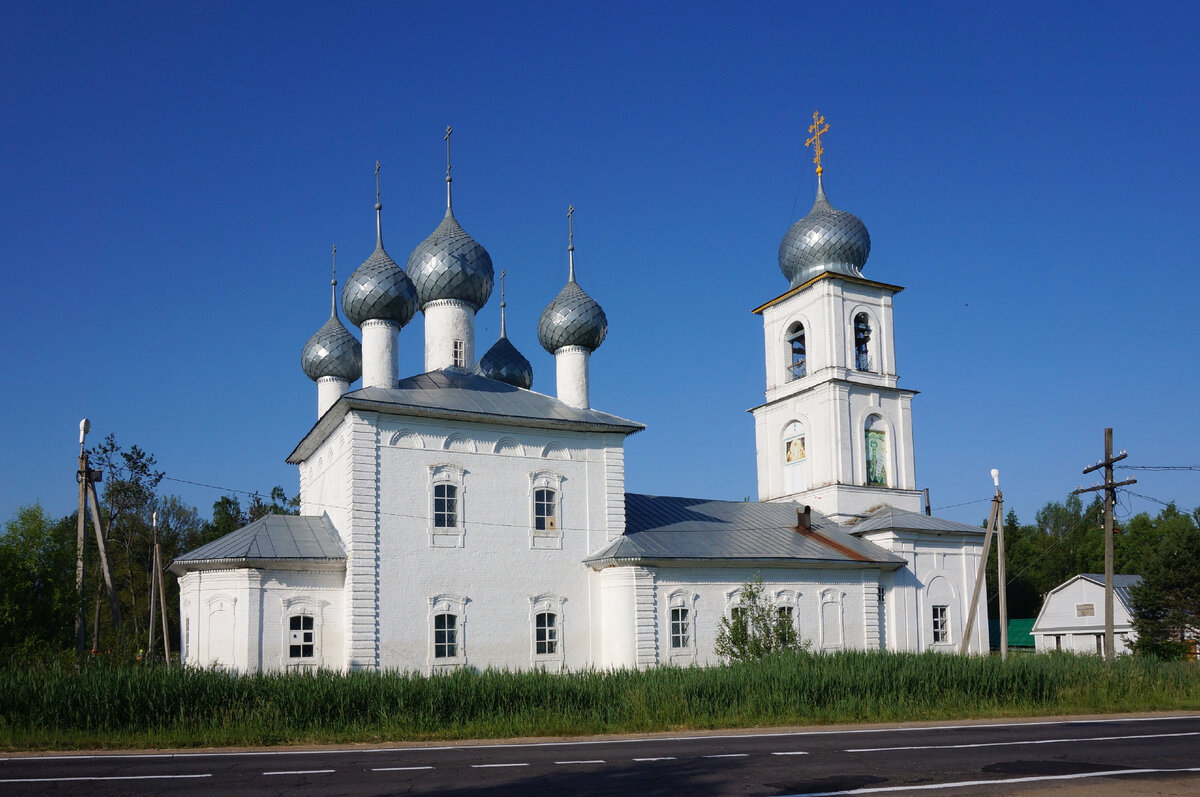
<point>1166,605</point>
<point>756,627</point>
<point>37,582</point>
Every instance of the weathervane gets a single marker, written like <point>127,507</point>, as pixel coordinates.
<point>815,142</point>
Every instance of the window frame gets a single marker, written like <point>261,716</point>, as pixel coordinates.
<point>685,601</point>
<point>442,478</point>
<point>546,538</point>
<point>940,617</point>
<point>459,353</point>
<point>861,335</point>
<point>795,357</point>
<point>447,603</point>
<point>552,604</point>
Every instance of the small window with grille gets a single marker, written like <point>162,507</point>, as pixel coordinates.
<point>681,628</point>
<point>545,504</point>
<point>445,636</point>
<point>941,624</point>
<point>445,506</point>
<point>460,354</point>
<point>546,634</point>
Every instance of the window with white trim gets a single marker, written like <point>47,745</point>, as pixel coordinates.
<point>863,361</point>
<point>446,505</point>
<point>447,631</point>
<point>545,509</point>
<point>545,626</point>
<point>797,363</point>
<point>681,628</point>
<point>941,624</point>
<point>460,353</point>
<point>302,637</point>
<point>445,636</point>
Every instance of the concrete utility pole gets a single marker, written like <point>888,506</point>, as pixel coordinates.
<point>1110,499</point>
<point>1001,584</point>
<point>87,478</point>
<point>980,573</point>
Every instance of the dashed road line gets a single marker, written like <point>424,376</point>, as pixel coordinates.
<point>493,766</point>
<point>397,769</point>
<point>589,761</point>
<point>660,758</point>
<point>727,755</point>
<point>792,752</point>
<point>301,772</point>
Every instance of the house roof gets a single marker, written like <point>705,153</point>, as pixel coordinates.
<point>269,541</point>
<point>460,396</point>
<point>672,529</point>
<point>888,517</point>
<point>1121,585</point>
<point>1019,633</point>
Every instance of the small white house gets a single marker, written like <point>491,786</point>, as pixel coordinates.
<point>1072,617</point>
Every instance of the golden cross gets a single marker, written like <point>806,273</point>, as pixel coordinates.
<point>817,131</point>
<point>570,227</point>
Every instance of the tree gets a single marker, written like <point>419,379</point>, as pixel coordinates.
<point>37,581</point>
<point>1166,605</point>
<point>756,627</point>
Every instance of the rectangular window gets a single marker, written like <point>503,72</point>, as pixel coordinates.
<point>881,593</point>
<point>445,506</point>
<point>303,638</point>
<point>941,624</point>
<point>546,631</point>
<point>1058,641</point>
<point>544,501</point>
<point>1100,644</point>
<point>1085,610</point>
<point>681,628</point>
<point>460,354</point>
<point>445,636</point>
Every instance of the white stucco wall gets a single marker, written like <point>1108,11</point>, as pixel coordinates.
<point>380,353</point>
<point>448,320</point>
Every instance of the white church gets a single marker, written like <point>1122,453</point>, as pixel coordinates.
<point>456,518</point>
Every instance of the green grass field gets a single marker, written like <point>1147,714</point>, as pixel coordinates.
<point>58,707</point>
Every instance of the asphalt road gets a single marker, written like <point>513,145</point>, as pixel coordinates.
<point>1103,755</point>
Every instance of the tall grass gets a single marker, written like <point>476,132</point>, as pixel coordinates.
<point>122,706</point>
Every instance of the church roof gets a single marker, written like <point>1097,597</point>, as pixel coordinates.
<point>890,518</point>
<point>270,541</point>
<point>671,529</point>
<point>460,396</point>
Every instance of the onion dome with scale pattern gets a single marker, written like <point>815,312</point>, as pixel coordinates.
<point>332,351</point>
<point>503,362</point>
<point>450,264</point>
<point>573,318</point>
<point>379,289</point>
<point>826,239</point>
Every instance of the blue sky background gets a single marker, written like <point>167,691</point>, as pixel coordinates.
<point>174,175</point>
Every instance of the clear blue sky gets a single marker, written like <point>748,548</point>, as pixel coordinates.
<point>174,175</point>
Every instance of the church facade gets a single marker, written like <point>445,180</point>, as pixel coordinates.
<point>456,518</point>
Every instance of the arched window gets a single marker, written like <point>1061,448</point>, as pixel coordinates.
<point>445,506</point>
<point>862,343</point>
<point>797,364</point>
<point>876,450</point>
<point>302,637</point>
<point>445,636</point>
<point>447,492</point>
<point>545,509</point>
<point>546,634</point>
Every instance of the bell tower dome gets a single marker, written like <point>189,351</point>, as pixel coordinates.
<point>835,431</point>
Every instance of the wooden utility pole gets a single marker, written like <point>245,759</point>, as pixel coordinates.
<point>979,575</point>
<point>87,478</point>
<point>157,586</point>
<point>1001,583</point>
<point>1110,499</point>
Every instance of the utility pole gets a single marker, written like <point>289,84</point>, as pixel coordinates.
<point>1110,499</point>
<point>157,587</point>
<point>87,478</point>
<point>993,519</point>
<point>1001,583</point>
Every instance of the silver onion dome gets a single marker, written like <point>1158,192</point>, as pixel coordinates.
<point>450,264</point>
<point>332,351</point>
<point>827,239</point>
<point>379,290</point>
<point>505,364</point>
<point>572,319</point>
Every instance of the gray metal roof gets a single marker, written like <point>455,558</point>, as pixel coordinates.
<point>505,364</point>
<point>666,528</point>
<point>1121,585</point>
<point>450,264</point>
<point>889,518</point>
<point>273,538</point>
<point>572,319</point>
<point>332,351</point>
<point>827,239</point>
<point>456,395</point>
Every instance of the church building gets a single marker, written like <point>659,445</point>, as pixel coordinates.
<point>456,518</point>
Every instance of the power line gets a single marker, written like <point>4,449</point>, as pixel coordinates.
<point>964,503</point>
<point>1158,467</point>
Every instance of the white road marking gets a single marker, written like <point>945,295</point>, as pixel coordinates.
<point>727,755</point>
<point>397,769</point>
<point>793,752</point>
<point>963,783</point>
<point>111,777</point>
<point>1023,741</point>
<point>660,758</point>
<point>580,743</point>
<point>490,766</point>
<point>591,761</point>
<point>302,772</point>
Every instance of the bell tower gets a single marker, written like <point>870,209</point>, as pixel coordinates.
<point>835,431</point>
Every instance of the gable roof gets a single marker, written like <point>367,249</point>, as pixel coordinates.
<point>270,541</point>
<point>457,395</point>
<point>888,517</point>
<point>1121,585</point>
<point>660,529</point>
